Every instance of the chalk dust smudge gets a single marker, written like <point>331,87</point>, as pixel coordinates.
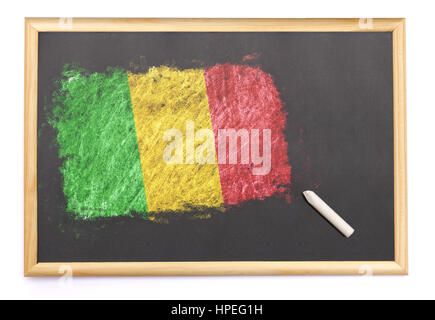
<point>250,57</point>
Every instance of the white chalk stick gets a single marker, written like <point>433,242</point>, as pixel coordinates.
<point>329,214</point>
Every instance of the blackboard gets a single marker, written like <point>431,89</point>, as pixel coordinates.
<point>336,92</point>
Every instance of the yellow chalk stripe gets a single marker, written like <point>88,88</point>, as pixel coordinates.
<point>166,98</point>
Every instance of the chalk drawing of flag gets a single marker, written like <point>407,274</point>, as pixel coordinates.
<point>111,138</point>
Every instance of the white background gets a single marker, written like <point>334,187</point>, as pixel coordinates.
<point>421,157</point>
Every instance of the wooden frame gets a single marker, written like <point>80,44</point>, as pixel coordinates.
<point>35,25</point>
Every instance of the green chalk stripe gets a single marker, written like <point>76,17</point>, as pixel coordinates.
<point>97,142</point>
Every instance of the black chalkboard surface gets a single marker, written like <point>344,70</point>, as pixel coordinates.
<point>326,97</point>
